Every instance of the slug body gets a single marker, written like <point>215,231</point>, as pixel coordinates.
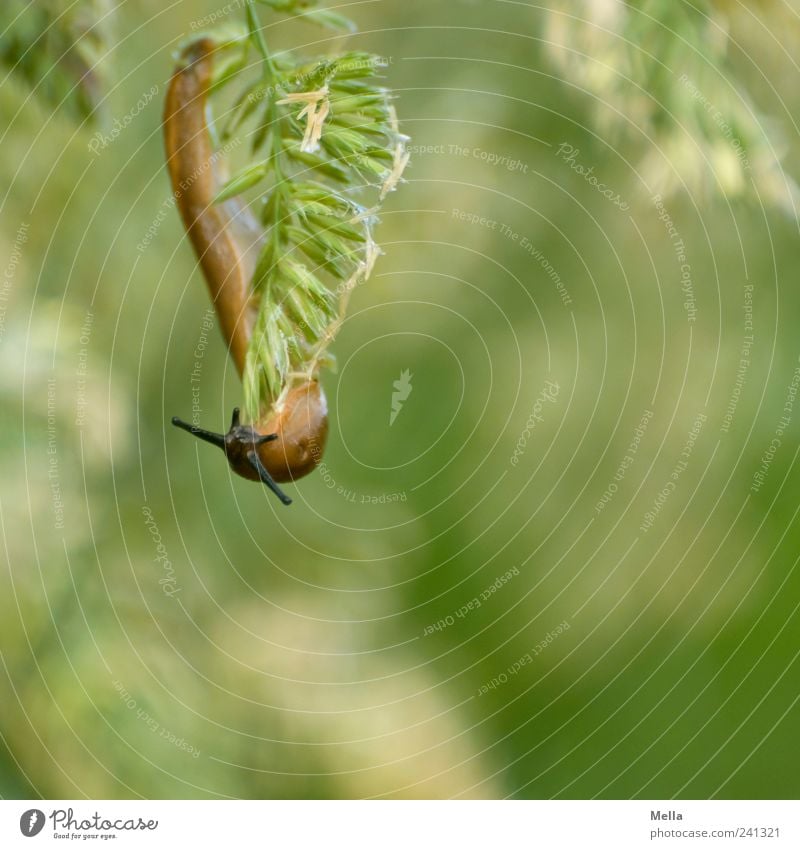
<point>301,427</point>
<point>225,236</point>
<point>288,441</point>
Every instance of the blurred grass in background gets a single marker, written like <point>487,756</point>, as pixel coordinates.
<point>290,653</point>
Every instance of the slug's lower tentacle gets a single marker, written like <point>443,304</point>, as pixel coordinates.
<point>266,478</point>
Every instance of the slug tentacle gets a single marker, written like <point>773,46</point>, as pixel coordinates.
<point>266,478</point>
<point>206,435</point>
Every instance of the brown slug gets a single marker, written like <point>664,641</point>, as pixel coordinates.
<point>288,441</point>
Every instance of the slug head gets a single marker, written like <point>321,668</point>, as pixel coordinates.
<point>284,446</point>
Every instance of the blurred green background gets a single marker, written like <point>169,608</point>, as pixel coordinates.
<point>271,652</point>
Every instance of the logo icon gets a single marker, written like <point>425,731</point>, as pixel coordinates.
<point>31,822</point>
<point>402,389</point>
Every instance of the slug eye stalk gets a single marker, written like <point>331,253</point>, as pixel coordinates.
<point>206,435</point>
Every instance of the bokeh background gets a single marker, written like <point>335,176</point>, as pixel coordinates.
<point>168,630</point>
